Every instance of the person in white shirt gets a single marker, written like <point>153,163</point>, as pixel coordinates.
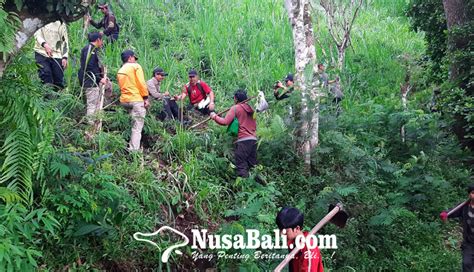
<point>51,53</point>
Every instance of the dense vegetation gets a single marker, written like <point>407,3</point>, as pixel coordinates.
<point>71,203</point>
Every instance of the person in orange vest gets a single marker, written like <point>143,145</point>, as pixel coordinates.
<point>134,95</point>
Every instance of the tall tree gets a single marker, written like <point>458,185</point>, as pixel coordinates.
<point>340,17</point>
<point>449,29</point>
<point>458,16</point>
<point>27,16</point>
<point>459,51</point>
<point>299,14</point>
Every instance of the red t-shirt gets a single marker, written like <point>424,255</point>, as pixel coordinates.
<point>196,95</point>
<point>307,260</point>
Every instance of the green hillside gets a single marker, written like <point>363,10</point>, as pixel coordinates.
<point>85,199</point>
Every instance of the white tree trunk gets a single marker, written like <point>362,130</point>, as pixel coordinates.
<point>26,31</point>
<point>305,59</point>
<point>340,17</point>
<point>404,89</point>
<point>341,53</point>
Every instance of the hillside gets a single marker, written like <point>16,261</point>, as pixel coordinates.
<point>88,198</point>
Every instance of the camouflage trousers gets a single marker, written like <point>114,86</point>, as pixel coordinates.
<point>92,103</point>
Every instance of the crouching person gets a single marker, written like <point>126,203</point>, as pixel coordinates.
<point>170,107</point>
<point>134,95</point>
<point>246,144</point>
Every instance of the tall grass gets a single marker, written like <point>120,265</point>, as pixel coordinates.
<point>248,44</point>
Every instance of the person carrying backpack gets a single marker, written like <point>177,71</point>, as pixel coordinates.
<point>246,145</point>
<point>201,97</point>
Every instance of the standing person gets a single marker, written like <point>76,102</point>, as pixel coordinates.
<point>323,76</point>
<point>108,23</point>
<point>306,260</point>
<point>201,97</point>
<point>90,74</point>
<point>466,216</point>
<point>289,82</point>
<point>134,95</point>
<point>336,91</point>
<point>51,53</point>
<point>246,145</point>
<point>154,85</point>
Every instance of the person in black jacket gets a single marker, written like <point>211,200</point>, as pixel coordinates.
<point>289,82</point>
<point>90,74</point>
<point>108,23</point>
<point>466,216</point>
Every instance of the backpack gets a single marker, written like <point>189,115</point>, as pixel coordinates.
<point>201,89</point>
<point>233,128</point>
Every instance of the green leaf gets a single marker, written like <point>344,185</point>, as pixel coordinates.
<point>19,4</point>
<point>87,229</point>
<point>345,191</point>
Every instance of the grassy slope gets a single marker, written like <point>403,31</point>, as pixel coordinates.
<point>361,161</point>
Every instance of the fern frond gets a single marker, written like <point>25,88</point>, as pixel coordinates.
<point>17,166</point>
<point>8,196</point>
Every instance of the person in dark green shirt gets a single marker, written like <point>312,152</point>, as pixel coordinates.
<point>287,90</point>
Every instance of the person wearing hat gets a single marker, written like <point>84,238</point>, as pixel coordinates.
<point>335,88</point>
<point>134,95</point>
<point>287,90</point>
<point>201,97</point>
<point>245,151</point>
<point>51,53</point>
<point>466,216</point>
<point>108,23</point>
<point>170,107</point>
<point>90,74</point>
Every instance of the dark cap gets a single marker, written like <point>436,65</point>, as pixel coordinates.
<point>289,77</point>
<point>470,188</point>
<point>192,72</point>
<point>94,36</point>
<point>159,71</point>
<point>127,54</point>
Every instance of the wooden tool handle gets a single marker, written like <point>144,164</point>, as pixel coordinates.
<point>316,228</point>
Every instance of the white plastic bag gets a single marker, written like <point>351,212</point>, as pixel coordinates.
<point>262,104</point>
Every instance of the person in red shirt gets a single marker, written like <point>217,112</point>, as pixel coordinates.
<point>466,216</point>
<point>201,97</point>
<point>306,260</point>
<point>246,145</point>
